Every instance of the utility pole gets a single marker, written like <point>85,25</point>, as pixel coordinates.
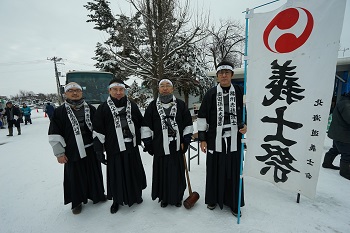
<point>55,60</point>
<point>343,50</point>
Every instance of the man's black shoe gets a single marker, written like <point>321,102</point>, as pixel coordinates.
<point>330,166</point>
<point>139,201</point>
<point>235,213</point>
<point>211,207</point>
<point>114,208</point>
<point>179,204</point>
<point>104,199</point>
<point>163,204</point>
<point>77,210</point>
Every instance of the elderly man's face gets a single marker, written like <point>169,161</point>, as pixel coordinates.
<point>74,94</point>
<point>165,88</point>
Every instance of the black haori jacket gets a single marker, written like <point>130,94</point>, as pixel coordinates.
<point>208,112</point>
<point>61,131</point>
<point>104,126</point>
<point>153,125</point>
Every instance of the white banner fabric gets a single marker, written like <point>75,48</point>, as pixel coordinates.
<point>292,55</point>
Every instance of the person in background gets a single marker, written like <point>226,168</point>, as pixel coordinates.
<point>70,135</point>
<point>166,135</point>
<point>220,129</point>
<point>333,151</point>
<point>330,156</point>
<point>117,125</point>
<point>26,111</point>
<point>13,115</point>
<point>2,111</point>
<point>339,131</point>
<point>49,109</point>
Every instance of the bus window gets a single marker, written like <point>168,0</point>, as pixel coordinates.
<point>93,83</point>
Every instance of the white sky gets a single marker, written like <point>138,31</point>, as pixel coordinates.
<point>31,198</point>
<point>32,31</point>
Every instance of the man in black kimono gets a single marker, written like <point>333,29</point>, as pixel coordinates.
<point>167,134</point>
<point>117,126</point>
<point>70,135</point>
<point>220,129</point>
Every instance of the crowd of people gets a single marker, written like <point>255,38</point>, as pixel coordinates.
<point>12,116</point>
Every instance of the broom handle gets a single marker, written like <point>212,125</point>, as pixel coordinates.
<point>187,176</point>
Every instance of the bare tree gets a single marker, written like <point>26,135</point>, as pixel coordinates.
<point>23,93</point>
<point>226,42</point>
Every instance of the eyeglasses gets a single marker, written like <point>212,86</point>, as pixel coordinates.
<point>74,90</point>
<point>226,72</point>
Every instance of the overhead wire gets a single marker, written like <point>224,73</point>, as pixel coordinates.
<point>10,63</point>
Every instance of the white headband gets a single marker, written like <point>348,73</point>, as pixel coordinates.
<point>165,80</point>
<point>116,85</point>
<point>72,85</point>
<point>224,67</point>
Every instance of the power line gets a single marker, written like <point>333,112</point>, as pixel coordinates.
<point>20,71</point>
<point>79,63</point>
<point>40,62</point>
<point>22,62</point>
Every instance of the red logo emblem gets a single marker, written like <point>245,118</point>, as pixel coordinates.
<point>288,30</point>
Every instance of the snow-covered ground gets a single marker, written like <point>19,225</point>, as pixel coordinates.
<point>31,198</point>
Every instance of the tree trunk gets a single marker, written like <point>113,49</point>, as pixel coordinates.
<point>186,98</point>
<point>155,91</point>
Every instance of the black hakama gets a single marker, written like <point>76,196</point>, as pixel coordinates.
<point>168,178</point>
<point>83,180</point>
<point>223,177</point>
<point>126,176</point>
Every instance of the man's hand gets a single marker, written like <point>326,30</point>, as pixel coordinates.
<point>243,130</point>
<point>62,159</point>
<point>204,146</point>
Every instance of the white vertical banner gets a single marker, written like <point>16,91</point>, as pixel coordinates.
<point>292,56</point>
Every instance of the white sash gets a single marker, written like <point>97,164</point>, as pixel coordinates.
<point>76,127</point>
<point>117,123</point>
<point>162,115</point>
<point>220,118</point>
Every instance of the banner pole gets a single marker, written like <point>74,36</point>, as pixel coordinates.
<point>260,6</point>
<point>298,197</point>
<point>243,118</point>
<point>247,11</point>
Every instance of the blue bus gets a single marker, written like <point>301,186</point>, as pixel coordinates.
<point>94,84</point>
